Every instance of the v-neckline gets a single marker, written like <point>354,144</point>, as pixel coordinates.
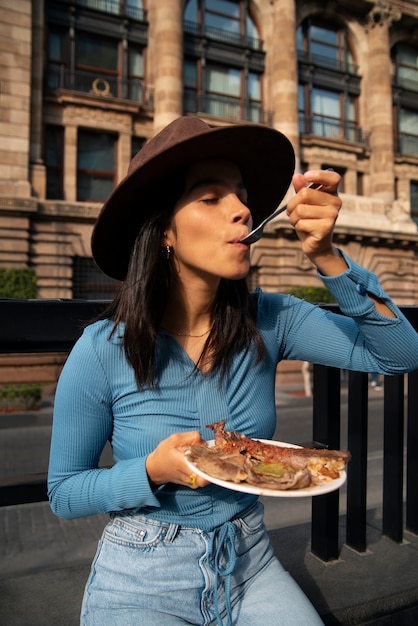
<point>182,352</point>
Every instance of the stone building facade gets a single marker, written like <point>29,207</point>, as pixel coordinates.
<point>84,83</point>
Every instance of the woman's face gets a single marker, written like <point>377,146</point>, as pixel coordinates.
<point>208,222</point>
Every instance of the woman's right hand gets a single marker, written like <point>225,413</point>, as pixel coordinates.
<point>166,464</point>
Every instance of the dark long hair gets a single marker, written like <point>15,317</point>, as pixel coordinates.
<point>142,298</point>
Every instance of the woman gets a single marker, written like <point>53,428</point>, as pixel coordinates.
<point>184,344</point>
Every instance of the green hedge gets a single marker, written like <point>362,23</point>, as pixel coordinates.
<point>17,283</point>
<point>23,396</point>
<point>312,294</point>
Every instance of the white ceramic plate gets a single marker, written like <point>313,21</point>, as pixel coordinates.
<point>314,490</point>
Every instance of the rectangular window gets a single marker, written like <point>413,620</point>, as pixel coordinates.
<point>223,91</point>
<point>408,132</point>
<point>57,67</point>
<point>95,165</point>
<point>54,160</point>
<point>224,15</point>
<point>224,80</point>
<point>324,44</point>
<point>191,103</point>
<point>135,75</point>
<point>134,9</point>
<point>100,54</point>
<point>326,116</point>
<point>96,65</point>
<point>407,71</point>
<point>255,113</point>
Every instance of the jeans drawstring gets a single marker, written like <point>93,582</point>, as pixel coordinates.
<point>223,543</point>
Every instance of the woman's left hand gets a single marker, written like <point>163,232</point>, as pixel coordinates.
<point>313,213</point>
<point>166,463</point>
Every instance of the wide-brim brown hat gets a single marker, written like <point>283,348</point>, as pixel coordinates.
<point>264,156</point>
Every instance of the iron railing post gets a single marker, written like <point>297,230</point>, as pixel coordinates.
<point>357,468</point>
<point>412,454</point>
<point>326,433</point>
<point>393,444</point>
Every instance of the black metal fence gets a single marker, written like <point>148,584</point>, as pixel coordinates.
<point>54,325</point>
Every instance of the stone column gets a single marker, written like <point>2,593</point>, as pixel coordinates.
<point>15,50</point>
<point>37,166</point>
<point>379,102</point>
<point>123,155</point>
<point>70,163</point>
<point>284,74</point>
<point>168,67</point>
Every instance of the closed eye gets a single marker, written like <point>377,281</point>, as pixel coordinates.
<point>212,200</point>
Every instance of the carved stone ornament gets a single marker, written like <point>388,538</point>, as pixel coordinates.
<point>383,14</point>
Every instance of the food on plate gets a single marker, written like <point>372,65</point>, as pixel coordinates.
<point>236,458</point>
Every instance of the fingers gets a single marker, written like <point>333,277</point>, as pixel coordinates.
<point>314,210</point>
<point>167,462</point>
<point>328,180</point>
<point>319,201</point>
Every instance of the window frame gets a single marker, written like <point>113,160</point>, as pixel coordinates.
<point>230,53</point>
<point>335,75</point>
<point>405,100</point>
<point>72,74</point>
<point>94,173</point>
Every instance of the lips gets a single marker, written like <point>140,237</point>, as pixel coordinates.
<point>238,239</point>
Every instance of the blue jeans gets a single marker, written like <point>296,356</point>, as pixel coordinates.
<point>148,573</point>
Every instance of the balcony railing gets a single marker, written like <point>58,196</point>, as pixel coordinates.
<point>343,66</point>
<point>408,144</point>
<point>103,85</point>
<point>114,7</point>
<point>219,34</point>
<point>226,107</point>
<point>403,82</point>
<point>331,128</point>
<point>54,325</point>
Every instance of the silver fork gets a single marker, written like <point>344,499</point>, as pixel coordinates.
<point>257,233</point>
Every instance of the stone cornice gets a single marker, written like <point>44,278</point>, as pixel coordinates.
<point>63,96</point>
<point>345,234</point>
<point>65,210</point>
<point>18,205</point>
<point>50,208</point>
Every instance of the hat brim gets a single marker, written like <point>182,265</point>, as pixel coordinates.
<point>264,156</point>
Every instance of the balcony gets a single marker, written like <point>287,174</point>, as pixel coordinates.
<point>358,566</point>
<point>113,7</point>
<point>408,144</point>
<point>324,126</point>
<point>342,66</point>
<point>99,85</point>
<point>221,35</point>
<point>225,107</point>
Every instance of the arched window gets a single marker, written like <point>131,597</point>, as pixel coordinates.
<point>224,60</point>
<point>405,96</point>
<point>328,82</point>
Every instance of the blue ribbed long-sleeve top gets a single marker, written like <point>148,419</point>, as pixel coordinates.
<point>97,399</point>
